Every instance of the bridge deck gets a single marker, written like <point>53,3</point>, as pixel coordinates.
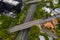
<point>29,24</point>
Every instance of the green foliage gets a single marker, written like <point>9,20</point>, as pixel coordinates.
<point>45,35</point>
<point>9,22</point>
<point>34,33</point>
<point>58,19</point>
<point>10,37</point>
<point>48,0</point>
<point>57,31</point>
<point>22,14</point>
<point>58,5</point>
<point>51,5</point>
<point>5,24</point>
<point>57,28</point>
<point>39,13</point>
<point>3,34</point>
<point>57,39</point>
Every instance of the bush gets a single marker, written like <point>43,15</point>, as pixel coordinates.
<point>34,33</point>
<point>39,13</point>
<point>57,39</point>
<point>45,35</point>
<point>9,22</point>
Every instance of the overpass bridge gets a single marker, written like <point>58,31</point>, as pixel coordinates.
<point>29,24</point>
<point>34,1</point>
<point>31,2</point>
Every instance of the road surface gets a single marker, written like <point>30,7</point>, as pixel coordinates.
<point>34,1</point>
<point>49,33</point>
<point>29,24</point>
<point>29,16</point>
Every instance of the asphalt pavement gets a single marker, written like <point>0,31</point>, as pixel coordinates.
<point>24,33</point>
<point>29,24</point>
<point>28,18</point>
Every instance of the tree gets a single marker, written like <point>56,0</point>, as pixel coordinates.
<point>3,34</point>
<point>34,33</point>
<point>57,39</point>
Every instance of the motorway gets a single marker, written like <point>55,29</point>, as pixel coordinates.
<point>24,33</point>
<point>30,12</point>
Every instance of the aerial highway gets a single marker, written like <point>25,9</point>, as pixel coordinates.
<point>29,24</point>
<point>33,1</point>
